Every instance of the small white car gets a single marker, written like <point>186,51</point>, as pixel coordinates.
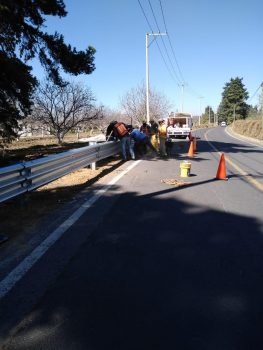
<point>223,124</point>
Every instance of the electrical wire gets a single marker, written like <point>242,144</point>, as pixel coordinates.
<point>158,46</point>
<point>168,36</point>
<point>251,98</point>
<point>145,16</point>
<point>179,77</point>
<point>172,66</point>
<point>184,84</point>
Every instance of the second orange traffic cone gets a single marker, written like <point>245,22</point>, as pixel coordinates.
<point>221,171</point>
<point>191,150</point>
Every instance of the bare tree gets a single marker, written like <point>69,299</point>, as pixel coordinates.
<point>134,104</point>
<point>64,108</point>
<point>110,115</point>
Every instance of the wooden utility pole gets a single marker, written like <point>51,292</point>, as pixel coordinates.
<point>261,105</point>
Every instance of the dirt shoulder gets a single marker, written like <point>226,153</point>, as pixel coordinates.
<point>27,215</point>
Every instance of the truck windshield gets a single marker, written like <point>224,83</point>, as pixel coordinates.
<point>177,122</point>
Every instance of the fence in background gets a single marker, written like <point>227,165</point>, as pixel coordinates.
<point>27,176</point>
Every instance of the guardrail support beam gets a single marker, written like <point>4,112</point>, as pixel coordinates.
<point>93,165</point>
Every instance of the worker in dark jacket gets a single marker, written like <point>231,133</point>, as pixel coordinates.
<point>110,136</point>
<point>145,128</point>
<point>121,132</point>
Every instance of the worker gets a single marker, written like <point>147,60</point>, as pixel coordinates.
<point>162,133</point>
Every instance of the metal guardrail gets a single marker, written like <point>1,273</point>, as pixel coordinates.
<point>27,176</point>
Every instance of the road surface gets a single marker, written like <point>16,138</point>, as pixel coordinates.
<point>150,265</point>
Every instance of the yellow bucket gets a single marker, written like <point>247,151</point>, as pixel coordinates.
<point>185,168</point>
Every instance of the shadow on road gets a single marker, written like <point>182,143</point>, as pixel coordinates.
<point>156,273</point>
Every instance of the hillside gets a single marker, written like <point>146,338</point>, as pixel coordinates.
<point>250,128</point>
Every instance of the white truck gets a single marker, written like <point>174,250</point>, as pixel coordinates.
<point>179,125</point>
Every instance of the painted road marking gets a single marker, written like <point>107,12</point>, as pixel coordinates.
<point>20,270</point>
<point>248,178</point>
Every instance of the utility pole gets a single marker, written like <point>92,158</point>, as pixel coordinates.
<point>261,105</point>
<point>147,73</point>
<point>200,111</point>
<point>147,80</point>
<point>215,116</point>
<point>215,119</point>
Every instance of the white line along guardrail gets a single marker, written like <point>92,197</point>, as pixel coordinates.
<point>27,176</point>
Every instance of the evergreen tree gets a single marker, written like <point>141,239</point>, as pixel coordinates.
<point>21,40</point>
<point>233,105</point>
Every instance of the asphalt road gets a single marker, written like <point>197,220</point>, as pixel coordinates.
<point>150,265</point>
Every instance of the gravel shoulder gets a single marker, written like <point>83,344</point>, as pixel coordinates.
<point>30,216</point>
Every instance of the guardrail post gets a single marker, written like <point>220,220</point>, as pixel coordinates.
<point>93,165</point>
<point>26,172</point>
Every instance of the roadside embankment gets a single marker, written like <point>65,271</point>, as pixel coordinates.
<point>252,128</point>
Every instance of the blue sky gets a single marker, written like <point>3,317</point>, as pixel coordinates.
<point>212,42</point>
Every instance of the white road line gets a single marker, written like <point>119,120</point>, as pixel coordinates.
<point>232,134</point>
<point>20,270</point>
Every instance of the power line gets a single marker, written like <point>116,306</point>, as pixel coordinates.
<point>179,78</point>
<point>145,16</point>
<point>165,26</point>
<point>176,75</point>
<point>194,93</point>
<point>251,98</point>
<point>167,67</point>
<point>174,56</point>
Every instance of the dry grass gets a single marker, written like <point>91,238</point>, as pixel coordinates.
<point>26,149</point>
<point>31,210</point>
<point>249,127</point>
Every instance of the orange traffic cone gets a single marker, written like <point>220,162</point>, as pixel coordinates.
<point>191,150</point>
<point>221,171</point>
